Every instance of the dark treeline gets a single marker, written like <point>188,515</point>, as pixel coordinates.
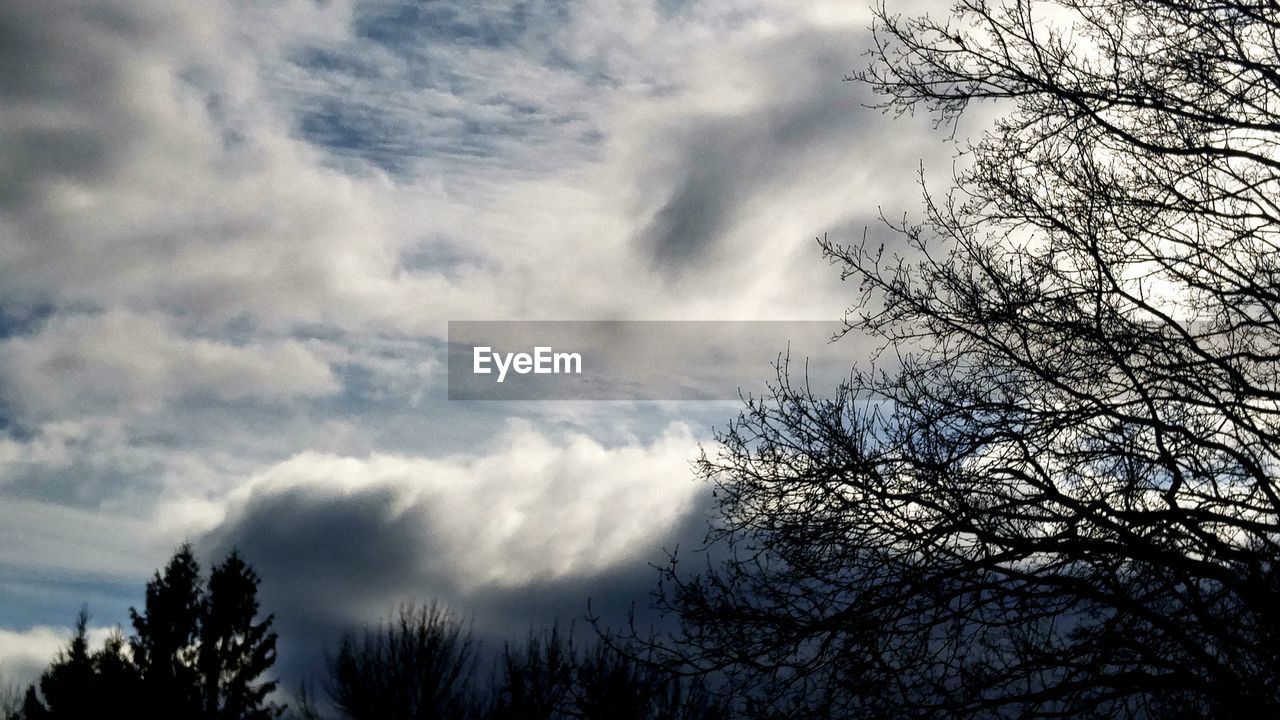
<point>198,650</point>
<point>201,649</point>
<point>424,663</point>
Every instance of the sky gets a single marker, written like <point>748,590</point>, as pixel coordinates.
<point>232,234</point>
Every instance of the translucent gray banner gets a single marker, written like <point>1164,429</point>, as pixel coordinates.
<point>636,360</point>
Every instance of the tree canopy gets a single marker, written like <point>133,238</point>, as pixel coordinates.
<point>199,650</point>
<point>1057,496</point>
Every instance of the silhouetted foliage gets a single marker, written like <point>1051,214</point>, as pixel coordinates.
<point>549,679</point>
<point>80,682</point>
<point>32,708</point>
<point>535,682</point>
<point>196,653</point>
<point>196,646</point>
<point>613,685</point>
<point>1062,499</point>
<point>234,650</point>
<point>416,666</point>
<point>69,684</point>
<point>116,678</point>
<point>423,664</point>
<point>165,638</point>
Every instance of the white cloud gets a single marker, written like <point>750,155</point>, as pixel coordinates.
<point>123,363</point>
<point>533,508</point>
<point>24,654</point>
<point>204,199</point>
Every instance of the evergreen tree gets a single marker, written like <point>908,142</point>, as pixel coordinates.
<point>234,650</point>
<point>198,652</point>
<point>69,683</point>
<point>166,632</point>
<point>116,681</point>
<point>80,683</point>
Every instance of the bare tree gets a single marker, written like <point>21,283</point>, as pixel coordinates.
<point>417,666</point>
<point>1062,500</point>
<point>535,682</point>
<point>550,678</point>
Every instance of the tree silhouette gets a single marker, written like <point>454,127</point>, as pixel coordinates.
<point>234,650</point>
<point>1060,500</point>
<point>196,653</point>
<point>165,638</point>
<point>68,685</point>
<point>81,683</point>
<point>423,665</point>
<point>549,679</point>
<point>416,666</point>
<point>535,682</point>
<point>32,708</point>
<point>612,685</point>
<point>117,680</point>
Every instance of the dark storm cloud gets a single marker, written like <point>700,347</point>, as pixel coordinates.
<point>322,558</point>
<point>725,163</point>
<point>330,562</point>
<point>327,554</point>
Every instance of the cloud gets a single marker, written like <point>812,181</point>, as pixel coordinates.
<point>278,164</point>
<point>120,362</point>
<point>533,508</point>
<point>233,233</point>
<point>800,143</point>
<point>25,654</point>
<point>51,62</point>
<point>523,534</point>
<point>53,537</point>
<point>181,191</point>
